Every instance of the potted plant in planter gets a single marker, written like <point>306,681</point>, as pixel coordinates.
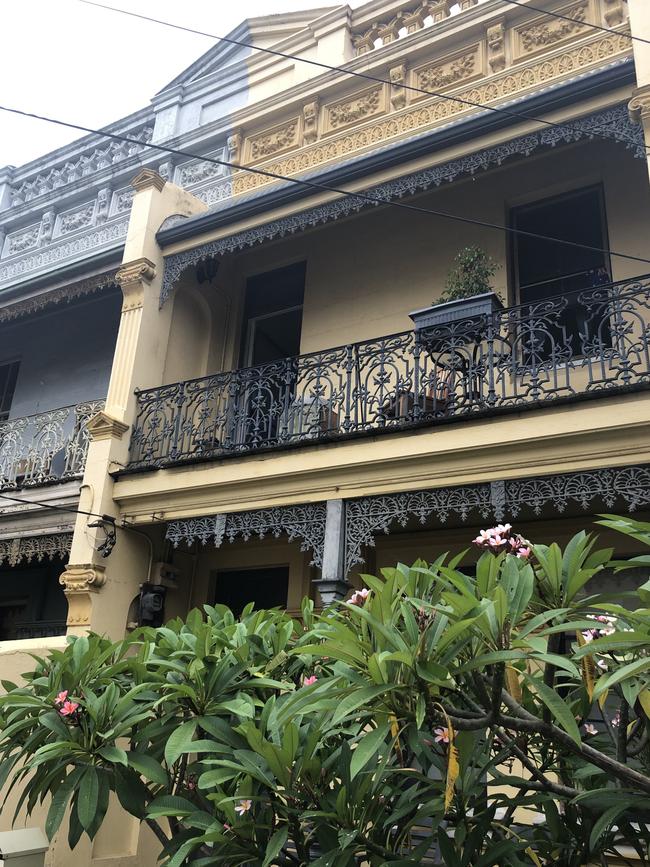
<point>468,292</point>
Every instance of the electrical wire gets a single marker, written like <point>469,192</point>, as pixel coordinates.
<point>341,69</point>
<point>562,17</point>
<point>106,518</point>
<point>315,185</point>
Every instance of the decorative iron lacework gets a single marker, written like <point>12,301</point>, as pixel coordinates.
<point>306,523</point>
<point>39,548</point>
<point>48,447</point>
<point>614,122</point>
<point>369,516</point>
<point>65,294</point>
<point>629,485</point>
<point>588,343</point>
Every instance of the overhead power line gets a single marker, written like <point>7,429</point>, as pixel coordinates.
<point>315,185</point>
<point>56,508</point>
<point>553,14</point>
<point>367,76</point>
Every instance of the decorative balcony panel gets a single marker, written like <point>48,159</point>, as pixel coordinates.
<point>49,447</point>
<point>582,344</point>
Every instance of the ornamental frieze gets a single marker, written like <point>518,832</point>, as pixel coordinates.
<point>74,220</point>
<point>547,31</point>
<point>458,68</point>
<point>18,242</point>
<point>273,141</point>
<point>427,114</point>
<point>358,108</point>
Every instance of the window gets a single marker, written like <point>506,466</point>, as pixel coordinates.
<point>8,377</point>
<point>267,587</point>
<point>273,315</point>
<point>543,269</point>
<point>32,602</point>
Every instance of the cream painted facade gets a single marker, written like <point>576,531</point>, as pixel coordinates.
<point>244,486</point>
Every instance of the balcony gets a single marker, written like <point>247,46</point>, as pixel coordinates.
<point>45,448</point>
<point>566,348</point>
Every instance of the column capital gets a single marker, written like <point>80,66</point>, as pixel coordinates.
<point>132,278</point>
<point>79,583</point>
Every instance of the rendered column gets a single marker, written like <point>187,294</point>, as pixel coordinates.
<point>333,585</point>
<point>639,105</point>
<point>99,590</point>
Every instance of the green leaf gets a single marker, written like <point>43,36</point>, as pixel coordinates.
<point>170,805</point>
<point>366,748</point>
<point>113,754</point>
<point>59,803</point>
<point>274,846</point>
<point>148,767</point>
<point>87,798</point>
<point>354,701</point>
<point>179,740</point>
<point>632,668</point>
<point>556,705</point>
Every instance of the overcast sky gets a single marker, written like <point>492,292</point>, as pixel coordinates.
<point>90,66</point>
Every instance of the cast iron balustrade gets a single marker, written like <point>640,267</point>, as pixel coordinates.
<point>589,342</point>
<point>43,448</point>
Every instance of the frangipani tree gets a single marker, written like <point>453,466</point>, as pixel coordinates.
<point>500,718</point>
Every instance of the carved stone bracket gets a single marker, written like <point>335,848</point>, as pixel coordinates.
<point>614,123</point>
<point>397,86</point>
<point>639,105</point>
<point>306,523</point>
<point>79,583</point>
<point>39,548</point>
<point>310,115</point>
<point>369,516</point>
<point>103,426</point>
<point>496,40</point>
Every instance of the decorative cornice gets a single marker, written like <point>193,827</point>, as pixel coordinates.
<point>28,548</point>
<point>615,487</point>
<point>65,294</point>
<point>306,523</point>
<point>614,123</point>
<point>103,427</point>
<point>148,179</point>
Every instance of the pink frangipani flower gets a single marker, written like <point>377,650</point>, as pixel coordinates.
<point>68,708</point>
<point>243,806</point>
<point>359,596</point>
<point>310,681</point>
<point>61,697</point>
<point>442,735</point>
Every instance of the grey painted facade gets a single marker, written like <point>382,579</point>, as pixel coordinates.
<point>65,355</point>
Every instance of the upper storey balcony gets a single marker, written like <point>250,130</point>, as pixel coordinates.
<point>569,347</point>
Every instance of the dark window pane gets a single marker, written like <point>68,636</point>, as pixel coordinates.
<point>8,377</point>
<point>545,269</point>
<point>266,587</point>
<point>273,315</point>
<point>32,602</point>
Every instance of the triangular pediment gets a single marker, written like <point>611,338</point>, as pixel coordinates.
<point>263,32</point>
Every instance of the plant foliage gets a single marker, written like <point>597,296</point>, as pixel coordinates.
<point>470,275</point>
<point>438,717</point>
